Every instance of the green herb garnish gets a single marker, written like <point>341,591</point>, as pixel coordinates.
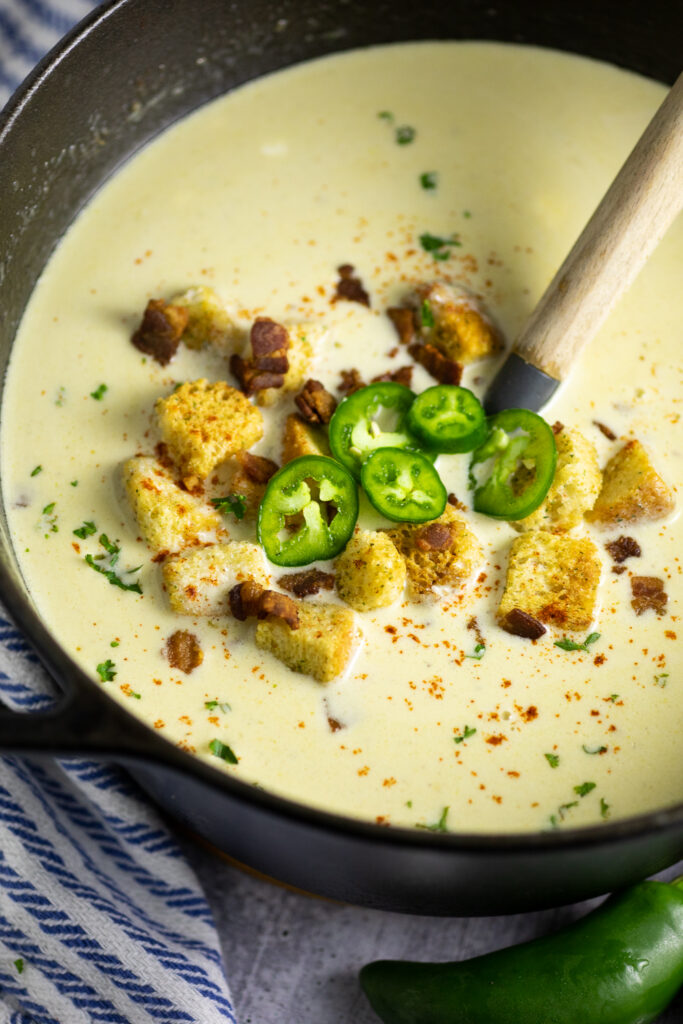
<point>661,679</point>
<point>74,483</point>
<point>49,509</point>
<point>613,697</point>
<point>106,670</point>
<point>585,788</point>
<point>86,530</point>
<point>440,248</point>
<point>99,392</point>
<point>114,643</point>
<point>552,759</point>
<point>405,134</point>
<point>565,644</point>
<point>593,750</point>
<point>386,115</point>
<point>231,503</point>
<point>426,315</point>
<point>223,751</point>
<point>464,735</point>
<point>479,652</point>
<point>438,826</point>
<point>115,580</point>
<point>429,180</point>
<point>222,705</point>
<point>604,808</point>
<point>36,471</point>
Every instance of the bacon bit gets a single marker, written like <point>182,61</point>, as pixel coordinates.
<point>623,548</point>
<point>349,287</point>
<point>252,380</point>
<point>403,320</point>
<point>315,403</point>
<point>520,623</point>
<point>183,651</point>
<point>496,740</point>
<point>618,569</point>
<point>351,381</point>
<point>404,375</point>
<point>257,468</point>
<point>455,502</point>
<point>269,344</point>
<point>334,725</point>
<point>648,592</point>
<point>161,329</point>
<point>446,371</point>
<point>599,660</point>
<point>250,599</point>
<point>557,427</point>
<point>609,434</point>
<point>434,537</point>
<point>310,581</point>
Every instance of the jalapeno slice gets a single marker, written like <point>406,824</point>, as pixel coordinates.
<point>308,512</point>
<point>403,485</point>
<point>372,417</point>
<point>448,419</point>
<point>517,462</point>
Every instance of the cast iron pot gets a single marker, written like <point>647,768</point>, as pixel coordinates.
<point>124,74</point>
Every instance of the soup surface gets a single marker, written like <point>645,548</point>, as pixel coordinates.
<point>262,195</point>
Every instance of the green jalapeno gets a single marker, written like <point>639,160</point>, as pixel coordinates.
<point>308,512</point>
<point>359,425</point>
<point>621,964</point>
<point>448,418</point>
<point>517,461</point>
<point>403,485</point>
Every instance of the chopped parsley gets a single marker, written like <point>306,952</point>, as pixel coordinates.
<point>464,735</point>
<point>36,471</point>
<point>405,134</point>
<point>113,550</point>
<point>99,392</point>
<point>466,214</point>
<point>426,315</point>
<point>479,652</point>
<point>565,644</point>
<point>48,512</point>
<point>585,788</point>
<point>61,397</point>
<point>223,751</point>
<point>74,483</point>
<point>49,509</point>
<point>114,643</point>
<point>604,808</point>
<point>594,750</point>
<point>429,180</point>
<point>19,964</point>
<point>86,530</point>
<point>222,705</point>
<point>106,670</point>
<point>613,697</point>
<point>438,826</point>
<point>231,503</point>
<point>132,693</point>
<point>661,679</point>
<point>440,248</point>
<point>386,115</point>
<point>552,759</point>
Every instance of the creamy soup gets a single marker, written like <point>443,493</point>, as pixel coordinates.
<point>262,195</point>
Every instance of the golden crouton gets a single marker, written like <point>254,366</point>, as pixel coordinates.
<point>632,490</point>
<point>210,321</point>
<point>552,577</point>
<point>460,330</point>
<point>450,565</point>
<point>198,581</point>
<point>301,439</point>
<point>168,517</point>
<point>302,340</point>
<point>320,647</point>
<point>574,489</point>
<point>204,423</point>
<point>370,571</point>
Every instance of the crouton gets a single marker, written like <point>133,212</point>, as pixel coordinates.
<point>202,424</point>
<point>460,329</point>
<point>322,645</point>
<point>552,577</point>
<point>302,340</point>
<point>444,566</point>
<point>168,518</point>
<point>632,490</point>
<point>301,439</point>
<point>370,571</point>
<point>198,581</point>
<point>574,489</point>
<point>210,321</point>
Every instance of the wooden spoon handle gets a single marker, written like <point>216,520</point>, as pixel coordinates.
<point>640,205</point>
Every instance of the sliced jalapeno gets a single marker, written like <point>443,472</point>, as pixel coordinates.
<point>308,512</point>
<point>372,417</point>
<point>448,418</point>
<point>517,462</point>
<point>403,485</point>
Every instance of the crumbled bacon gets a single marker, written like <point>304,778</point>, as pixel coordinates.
<point>257,468</point>
<point>334,724</point>
<point>250,378</point>
<point>609,434</point>
<point>404,375</point>
<point>251,599</point>
<point>434,537</point>
<point>446,371</point>
<point>453,500</point>
<point>161,329</point>
<point>623,548</point>
<point>269,362</point>
<point>351,381</point>
<point>315,403</point>
<point>520,623</point>
<point>403,320</point>
<point>268,338</point>
<point>310,581</point>
<point>648,592</point>
<point>350,287</point>
<point>557,427</point>
<point>183,651</point>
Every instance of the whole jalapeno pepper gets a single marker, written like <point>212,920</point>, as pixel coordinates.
<point>448,418</point>
<point>359,424</point>
<point>403,485</point>
<point>308,512</point>
<point>621,964</point>
<point>517,461</point>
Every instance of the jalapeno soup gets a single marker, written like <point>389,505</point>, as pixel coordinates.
<point>251,486</point>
